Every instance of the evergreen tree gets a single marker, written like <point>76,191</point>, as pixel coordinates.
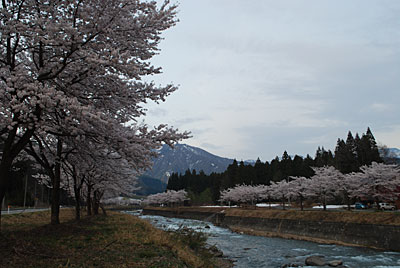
<point>328,158</point>
<point>268,173</point>
<point>323,158</point>
<point>341,156</point>
<point>368,149</point>
<point>276,174</point>
<point>286,165</point>
<point>260,172</point>
<point>308,161</point>
<point>373,154</point>
<point>230,176</point>
<point>351,157</point>
<point>174,182</point>
<point>318,158</point>
<point>351,144</point>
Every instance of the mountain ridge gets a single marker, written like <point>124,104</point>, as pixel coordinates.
<point>183,157</point>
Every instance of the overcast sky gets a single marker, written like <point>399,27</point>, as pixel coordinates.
<point>258,77</point>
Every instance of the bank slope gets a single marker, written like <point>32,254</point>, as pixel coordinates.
<point>116,240</point>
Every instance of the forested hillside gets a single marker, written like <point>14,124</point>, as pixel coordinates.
<point>182,157</point>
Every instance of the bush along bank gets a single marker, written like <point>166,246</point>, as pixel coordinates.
<point>116,240</point>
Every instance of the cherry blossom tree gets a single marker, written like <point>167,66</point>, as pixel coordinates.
<point>378,182</point>
<point>299,189</point>
<point>75,67</point>
<point>76,176</point>
<point>266,192</point>
<point>347,185</point>
<point>229,195</point>
<point>325,183</point>
<point>99,172</point>
<point>169,197</point>
<point>280,190</point>
<point>242,194</point>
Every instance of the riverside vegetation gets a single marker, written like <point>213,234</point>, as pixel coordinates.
<point>115,240</point>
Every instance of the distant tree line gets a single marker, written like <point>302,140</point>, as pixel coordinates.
<point>375,183</point>
<point>348,157</point>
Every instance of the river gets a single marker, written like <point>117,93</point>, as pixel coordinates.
<point>253,251</point>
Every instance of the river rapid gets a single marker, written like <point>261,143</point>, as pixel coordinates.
<point>255,252</point>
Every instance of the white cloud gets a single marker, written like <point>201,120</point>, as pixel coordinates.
<point>389,136</point>
<point>253,70</point>
<point>381,107</point>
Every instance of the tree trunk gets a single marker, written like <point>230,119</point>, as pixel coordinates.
<point>348,204</point>
<point>2,194</point>
<point>89,200</point>
<point>96,203</point>
<point>55,197</point>
<point>301,203</point>
<point>11,148</point>
<point>5,167</point>
<point>77,193</point>
<point>103,209</point>
<point>77,206</point>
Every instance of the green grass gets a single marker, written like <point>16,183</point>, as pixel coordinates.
<point>116,240</point>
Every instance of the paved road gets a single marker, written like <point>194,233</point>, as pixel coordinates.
<point>18,211</point>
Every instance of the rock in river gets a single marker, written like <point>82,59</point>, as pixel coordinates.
<point>335,263</point>
<point>315,261</point>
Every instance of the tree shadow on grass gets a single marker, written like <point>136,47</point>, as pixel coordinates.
<point>48,244</point>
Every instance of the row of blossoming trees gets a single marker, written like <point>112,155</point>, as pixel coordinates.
<point>168,198</point>
<point>377,183</point>
<point>72,88</point>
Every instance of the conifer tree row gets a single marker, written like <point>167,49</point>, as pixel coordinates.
<point>353,153</point>
<point>349,156</point>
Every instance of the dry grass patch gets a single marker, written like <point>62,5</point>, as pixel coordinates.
<point>363,217</point>
<point>118,240</point>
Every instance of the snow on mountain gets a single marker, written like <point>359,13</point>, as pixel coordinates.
<point>183,157</point>
<point>390,155</point>
<point>390,152</point>
<point>394,152</point>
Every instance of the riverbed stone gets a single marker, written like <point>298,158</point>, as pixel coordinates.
<point>216,251</point>
<point>315,261</point>
<point>335,263</point>
<point>290,265</point>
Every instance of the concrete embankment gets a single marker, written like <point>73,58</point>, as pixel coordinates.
<point>373,229</point>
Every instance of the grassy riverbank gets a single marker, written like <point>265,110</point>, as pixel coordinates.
<point>116,240</point>
<point>361,217</point>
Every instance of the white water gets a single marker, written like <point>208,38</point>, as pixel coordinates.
<point>256,252</point>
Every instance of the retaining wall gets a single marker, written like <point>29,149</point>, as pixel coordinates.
<point>367,235</point>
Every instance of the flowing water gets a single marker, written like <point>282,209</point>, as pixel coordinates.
<point>253,251</point>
